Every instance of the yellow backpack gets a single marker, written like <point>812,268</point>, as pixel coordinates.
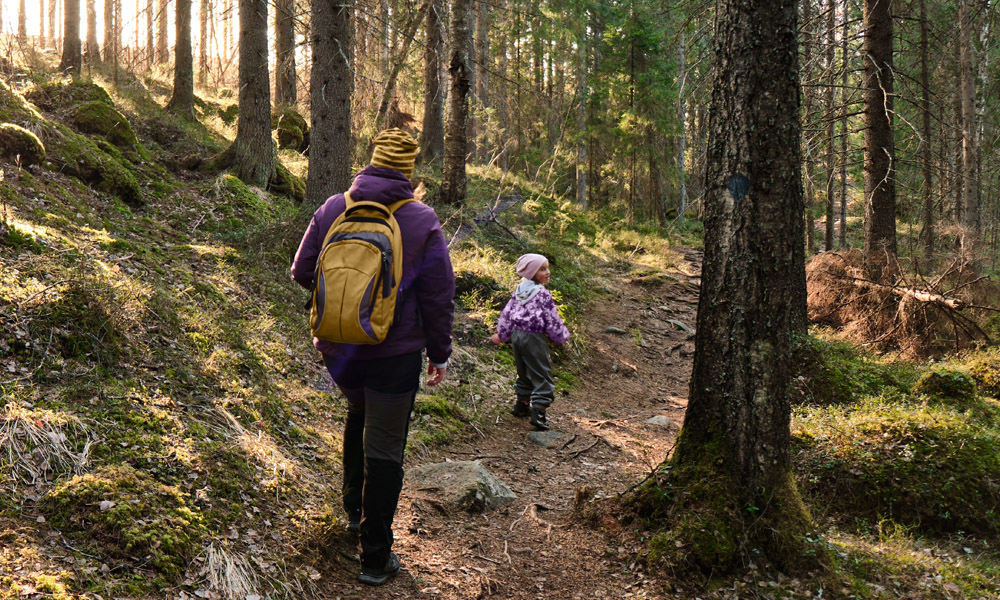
<point>358,272</point>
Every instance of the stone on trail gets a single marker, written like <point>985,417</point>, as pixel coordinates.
<point>464,485</point>
<point>544,438</point>
<point>616,330</point>
<point>662,420</point>
<point>680,325</point>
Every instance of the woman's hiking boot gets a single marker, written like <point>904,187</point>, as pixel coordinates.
<point>354,520</point>
<point>379,575</point>
<point>522,407</point>
<point>538,419</point>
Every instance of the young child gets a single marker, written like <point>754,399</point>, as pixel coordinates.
<point>528,318</point>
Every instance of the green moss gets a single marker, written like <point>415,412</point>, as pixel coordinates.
<point>140,519</point>
<point>924,465</point>
<point>436,405</point>
<point>834,372</point>
<point>229,114</point>
<point>65,93</point>
<point>15,109</point>
<point>287,184</point>
<point>99,118</point>
<point>17,143</point>
<point>79,157</point>
<point>986,373</point>
<point>947,385</point>
<point>79,322</point>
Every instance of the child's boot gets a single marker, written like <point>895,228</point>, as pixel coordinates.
<point>522,407</point>
<point>538,419</point>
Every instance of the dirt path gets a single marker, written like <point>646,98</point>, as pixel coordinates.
<point>534,548</point>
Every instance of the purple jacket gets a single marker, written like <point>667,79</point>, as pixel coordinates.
<point>427,290</point>
<point>532,309</point>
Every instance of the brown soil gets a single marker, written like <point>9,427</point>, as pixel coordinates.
<point>538,547</point>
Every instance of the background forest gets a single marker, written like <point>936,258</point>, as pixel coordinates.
<point>167,431</point>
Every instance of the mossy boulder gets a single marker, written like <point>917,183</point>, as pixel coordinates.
<point>286,183</point>
<point>835,372</point>
<point>78,156</point>
<point>923,465</point>
<point>229,114</point>
<point>130,515</point>
<point>947,385</point>
<point>17,143</point>
<point>14,108</point>
<point>986,373</point>
<point>99,118</point>
<point>68,93</point>
<point>293,131</point>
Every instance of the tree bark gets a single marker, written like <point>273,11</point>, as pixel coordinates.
<point>22,22</point>
<point>581,117</point>
<point>831,74</point>
<point>150,32</point>
<point>752,303</point>
<point>41,24</point>
<point>53,9</point>
<point>432,132</point>
<point>330,96</point>
<point>182,101</point>
<point>455,143</point>
<point>880,183</point>
<point>162,45</point>
<point>251,154</point>
<point>970,149</point>
<point>203,64</point>
<point>93,53</point>
<point>284,51</point>
<point>682,136</point>
<point>807,99</point>
<point>927,234</point>
<point>483,24</point>
<point>72,54</point>
<point>109,29</point>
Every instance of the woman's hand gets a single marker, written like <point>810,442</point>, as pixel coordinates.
<point>436,374</point>
<point>496,339</point>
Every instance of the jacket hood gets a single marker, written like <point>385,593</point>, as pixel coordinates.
<point>380,184</point>
<point>527,289</point>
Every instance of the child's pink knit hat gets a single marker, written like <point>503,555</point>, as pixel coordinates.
<point>529,264</point>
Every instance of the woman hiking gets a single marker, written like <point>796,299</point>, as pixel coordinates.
<point>380,380</point>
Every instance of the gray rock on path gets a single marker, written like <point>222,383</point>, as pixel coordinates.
<point>615,330</point>
<point>463,485</point>
<point>544,438</point>
<point>662,420</point>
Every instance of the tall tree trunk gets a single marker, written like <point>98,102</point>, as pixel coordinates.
<point>109,29</point>
<point>970,150</point>
<point>203,64</point>
<point>581,117</point>
<point>22,22</point>
<point>41,24</point>
<point>845,94</point>
<point>182,102</point>
<point>330,97</point>
<point>752,303</point>
<point>53,9</point>
<point>831,74</point>
<point>927,234</point>
<point>150,32</point>
<point>93,53</point>
<point>682,136</point>
<point>880,181</point>
<point>251,155</point>
<point>284,51</point>
<point>432,132</point>
<point>958,169</point>
<point>72,54</point>
<point>483,23</point>
<point>162,20</point>
<point>455,143</point>
<point>808,38</point>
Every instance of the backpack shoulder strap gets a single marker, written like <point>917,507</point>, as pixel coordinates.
<point>348,201</point>
<point>400,203</point>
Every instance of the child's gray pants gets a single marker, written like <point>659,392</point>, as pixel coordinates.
<point>534,370</point>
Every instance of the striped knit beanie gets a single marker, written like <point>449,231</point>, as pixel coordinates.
<point>395,149</point>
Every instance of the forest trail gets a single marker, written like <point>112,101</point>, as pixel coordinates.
<point>534,547</point>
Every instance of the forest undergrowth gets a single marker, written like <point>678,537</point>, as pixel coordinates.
<point>167,430</point>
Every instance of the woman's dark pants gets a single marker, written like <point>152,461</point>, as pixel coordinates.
<point>380,395</point>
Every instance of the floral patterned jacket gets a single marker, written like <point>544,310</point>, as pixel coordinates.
<point>532,309</point>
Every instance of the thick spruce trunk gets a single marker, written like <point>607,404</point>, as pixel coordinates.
<point>455,139</point>
<point>432,133</point>
<point>879,168</point>
<point>284,50</point>
<point>182,101</point>
<point>72,54</point>
<point>251,155</point>
<point>735,443</point>
<point>93,53</point>
<point>330,97</point>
